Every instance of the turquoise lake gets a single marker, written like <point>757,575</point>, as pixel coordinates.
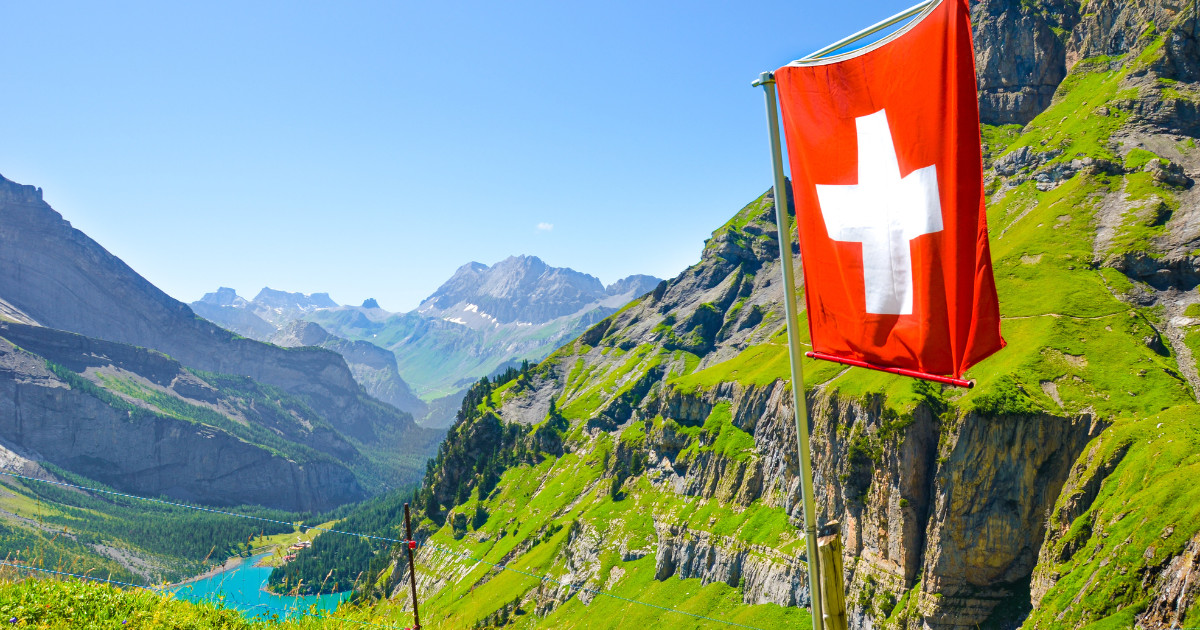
<point>244,589</point>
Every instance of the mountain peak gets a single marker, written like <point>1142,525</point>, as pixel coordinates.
<point>282,299</point>
<point>516,289</point>
<point>637,285</point>
<point>22,193</point>
<point>370,303</point>
<point>224,296</point>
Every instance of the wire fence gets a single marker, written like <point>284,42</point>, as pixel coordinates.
<point>572,588</point>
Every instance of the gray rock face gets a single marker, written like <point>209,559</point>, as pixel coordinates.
<point>1177,590</point>
<point>135,449</point>
<point>1023,50</point>
<point>766,576</point>
<point>1019,57</point>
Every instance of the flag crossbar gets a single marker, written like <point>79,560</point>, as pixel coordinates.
<point>958,382</point>
<point>869,31</point>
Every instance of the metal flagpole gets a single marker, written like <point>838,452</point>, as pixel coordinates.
<point>783,223</point>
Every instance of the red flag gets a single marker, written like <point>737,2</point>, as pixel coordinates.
<point>887,176</point>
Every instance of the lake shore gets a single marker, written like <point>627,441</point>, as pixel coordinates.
<point>229,565</point>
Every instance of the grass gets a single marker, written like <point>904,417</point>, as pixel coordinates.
<point>593,386</point>
<point>54,604</point>
<point>1075,122</point>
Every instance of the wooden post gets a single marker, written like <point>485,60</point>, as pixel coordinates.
<point>412,567</point>
<point>833,598</point>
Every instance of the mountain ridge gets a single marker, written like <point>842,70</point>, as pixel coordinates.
<point>66,286</point>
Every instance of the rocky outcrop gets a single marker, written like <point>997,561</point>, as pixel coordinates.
<point>765,575</point>
<point>1176,588</point>
<point>1020,56</point>
<point>1023,51</point>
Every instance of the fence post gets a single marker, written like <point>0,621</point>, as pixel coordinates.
<point>412,567</point>
<point>833,599</point>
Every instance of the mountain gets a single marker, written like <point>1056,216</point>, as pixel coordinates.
<point>372,366</point>
<point>249,421</point>
<point>261,317</point>
<point>231,311</point>
<point>652,457</point>
<point>281,307</point>
<point>520,290</point>
<point>136,419</point>
<point>478,322</point>
<point>275,317</point>
<point>636,285</point>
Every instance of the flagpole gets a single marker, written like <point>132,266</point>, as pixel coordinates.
<point>799,405</point>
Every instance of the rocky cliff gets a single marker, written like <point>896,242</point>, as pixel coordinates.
<point>138,421</point>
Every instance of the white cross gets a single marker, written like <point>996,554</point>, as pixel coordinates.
<point>884,212</point>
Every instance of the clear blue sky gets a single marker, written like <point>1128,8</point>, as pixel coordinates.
<point>369,149</point>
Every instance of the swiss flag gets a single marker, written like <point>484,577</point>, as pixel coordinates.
<point>887,175</point>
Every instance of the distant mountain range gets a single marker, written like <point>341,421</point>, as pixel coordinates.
<point>104,375</point>
<point>481,320</point>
